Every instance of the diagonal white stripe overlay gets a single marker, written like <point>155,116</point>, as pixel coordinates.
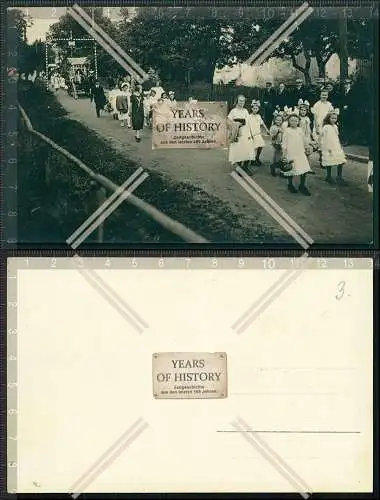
<point>94,30</point>
<point>272,457</point>
<point>105,211</point>
<point>258,194</point>
<point>111,43</point>
<point>105,205</point>
<point>108,457</point>
<point>273,209</point>
<point>286,29</point>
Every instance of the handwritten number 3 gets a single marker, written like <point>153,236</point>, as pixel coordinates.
<point>341,290</point>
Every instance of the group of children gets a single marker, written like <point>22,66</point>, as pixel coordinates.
<point>295,134</point>
<point>122,104</point>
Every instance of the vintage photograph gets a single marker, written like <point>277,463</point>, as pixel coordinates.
<point>286,159</point>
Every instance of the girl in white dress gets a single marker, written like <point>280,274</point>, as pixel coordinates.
<point>332,152</point>
<point>112,100</point>
<point>241,149</point>
<point>293,150</point>
<point>123,104</point>
<point>320,110</point>
<point>256,123</point>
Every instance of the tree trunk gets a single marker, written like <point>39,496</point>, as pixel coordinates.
<point>305,70</point>
<point>321,66</point>
<point>343,52</point>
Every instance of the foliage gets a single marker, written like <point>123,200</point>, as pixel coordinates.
<point>189,49</point>
<point>68,27</point>
<point>318,39</point>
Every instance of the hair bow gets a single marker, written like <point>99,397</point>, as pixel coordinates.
<point>303,103</point>
<point>291,111</point>
<point>277,112</point>
<point>254,102</point>
<point>335,111</point>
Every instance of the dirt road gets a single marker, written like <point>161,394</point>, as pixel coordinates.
<point>333,214</point>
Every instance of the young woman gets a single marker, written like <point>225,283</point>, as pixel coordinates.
<point>332,152</point>
<point>137,110</point>
<point>256,123</point>
<point>293,149</point>
<point>320,110</point>
<point>112,100</point>
<point>240,149</point>
<point>123,104</point>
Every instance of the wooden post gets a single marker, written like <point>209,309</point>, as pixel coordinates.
<point>343,51</point>
<point>100,199</point>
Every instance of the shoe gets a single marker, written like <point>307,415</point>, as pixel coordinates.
<point>138,139</point>
<point>303,190</point>
<point>329,180</point>
<point>311,172</point>
<point>258,162</point>
<point>292,189</point>
<point>273,172</point>
<point>248,168</point>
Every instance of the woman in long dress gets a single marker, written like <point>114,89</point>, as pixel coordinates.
<point>137,110</point>
<point>293,149</point>
<point>240,150</point>
<point>112,100</point>
<point>123,104</point>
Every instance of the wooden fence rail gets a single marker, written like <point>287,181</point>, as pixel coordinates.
<point>104,184</point>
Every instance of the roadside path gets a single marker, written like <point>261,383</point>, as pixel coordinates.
<point>333,214</point>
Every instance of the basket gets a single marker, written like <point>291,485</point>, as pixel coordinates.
<point>285,166</point>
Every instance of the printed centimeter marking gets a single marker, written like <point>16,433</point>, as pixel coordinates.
<point>194,252</point>
<point>205,263</point>
<point>12,380</point>
<point>263,10</point>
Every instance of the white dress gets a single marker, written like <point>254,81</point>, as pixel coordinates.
<point>332,152</point>
<point>293,148</point>
<point>124,116</point>
<point>320,111</point>
<point>305,127</point>
<point>159,91</point>
<point>112,99</point>
<point>255,123</point>
<point>242,150</point>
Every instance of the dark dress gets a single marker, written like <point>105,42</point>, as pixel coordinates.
<point>268,99</point>
<point>137,109</point>
<point>297,94</point>
<point>281,99</point>
<point>99,97</point>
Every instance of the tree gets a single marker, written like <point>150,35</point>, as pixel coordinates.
<point>185,48</point>
<point>18,23</point>
<point>67,26</point>
<point>313,38</point>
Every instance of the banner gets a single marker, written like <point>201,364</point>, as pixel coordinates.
<point>189,125</point>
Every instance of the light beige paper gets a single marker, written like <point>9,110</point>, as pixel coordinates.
<point>300,376</point>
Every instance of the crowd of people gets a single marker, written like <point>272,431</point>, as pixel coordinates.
<point>299,123</point>
<point>296,132</point>
<point>278,97</point>
<point>130,103</point>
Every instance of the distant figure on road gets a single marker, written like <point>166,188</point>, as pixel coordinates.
<point>123,104</point>
<point>98,96</point>
<point>137,111</point>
